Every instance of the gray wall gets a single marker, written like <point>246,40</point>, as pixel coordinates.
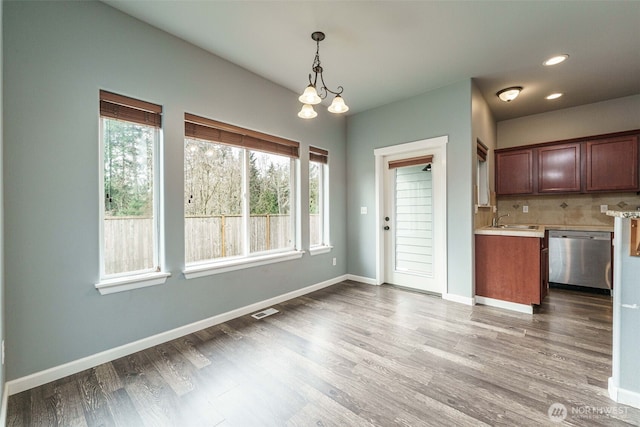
<point>446,111</point>
<point>592,119</point>
<point>2,330</point>
<point>57,56</point>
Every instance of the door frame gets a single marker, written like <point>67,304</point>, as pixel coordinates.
<point>438,147</point>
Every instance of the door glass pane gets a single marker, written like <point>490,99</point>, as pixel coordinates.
<point>414,220</point>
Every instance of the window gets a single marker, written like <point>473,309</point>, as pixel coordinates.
<point>482,179</point>
<point>239,197</point>
<point>318,198</point>
<point>129,230</point>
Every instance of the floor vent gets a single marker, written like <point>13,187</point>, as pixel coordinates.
<point>264,313</point>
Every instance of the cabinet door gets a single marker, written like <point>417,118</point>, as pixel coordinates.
<point>612,164</point>
<point>559,168</point>
<point>514,172</point>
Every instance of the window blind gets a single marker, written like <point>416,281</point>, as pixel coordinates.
<point>210,130</point>
<point>410,162</point>
<point>318,155</point>
<point>128,109</point>
<point>482,151</point>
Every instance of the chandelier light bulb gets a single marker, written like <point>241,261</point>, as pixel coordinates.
<point>338,106</point>
<point>307,112</point>
<point>310,96</point>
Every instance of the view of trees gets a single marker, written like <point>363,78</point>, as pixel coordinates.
<point>213,180</point>
<point>128,168</point>
<point>213,185</point>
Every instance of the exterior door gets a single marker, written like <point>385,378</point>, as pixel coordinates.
<point>409,223</point>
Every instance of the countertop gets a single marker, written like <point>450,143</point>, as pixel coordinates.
<point>541,228</point>
<point>624,214</point>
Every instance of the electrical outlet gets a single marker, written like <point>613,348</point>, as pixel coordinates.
<point>334,261</point>
<point>363,210</point>
<point>525,209</point>
<point>604,208</point>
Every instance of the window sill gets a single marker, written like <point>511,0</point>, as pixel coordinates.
<point>127,283</point>
<point>195,271</point>
<point>317,250</point>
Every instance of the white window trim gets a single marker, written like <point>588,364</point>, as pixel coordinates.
<point>207,269</point>
<point>130,282</point>
<point>320,249</point>
<point>325,245</point>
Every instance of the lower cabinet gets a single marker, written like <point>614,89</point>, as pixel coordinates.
<point>512,268</point>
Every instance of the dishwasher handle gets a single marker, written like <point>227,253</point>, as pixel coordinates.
<point>556,234</point>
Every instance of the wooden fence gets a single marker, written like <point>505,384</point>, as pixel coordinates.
<point>129,240</point>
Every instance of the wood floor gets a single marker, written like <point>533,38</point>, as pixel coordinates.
<point>356,355</point>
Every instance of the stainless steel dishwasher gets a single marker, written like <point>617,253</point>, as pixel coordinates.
<point>580,258</point>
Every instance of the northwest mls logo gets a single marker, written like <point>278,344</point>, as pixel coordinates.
<point>557,412</point>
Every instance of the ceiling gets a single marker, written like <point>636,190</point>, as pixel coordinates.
<point>385,51</point>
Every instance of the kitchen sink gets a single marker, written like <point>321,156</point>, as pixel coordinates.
<point>519,227</point>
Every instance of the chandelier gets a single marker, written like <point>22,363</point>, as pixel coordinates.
<point>312,96</point>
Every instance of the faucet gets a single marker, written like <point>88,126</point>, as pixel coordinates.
<point>496,221</point>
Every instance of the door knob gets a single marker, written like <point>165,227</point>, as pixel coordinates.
<point>386,227</point>
<point>386,218</point>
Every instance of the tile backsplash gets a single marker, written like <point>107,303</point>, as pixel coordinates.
<point>565,209</point>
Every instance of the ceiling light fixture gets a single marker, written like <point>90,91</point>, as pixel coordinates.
<point>509,94</point>
<point>555,60</point>
<point>554,95</point>
<point>312,96</point>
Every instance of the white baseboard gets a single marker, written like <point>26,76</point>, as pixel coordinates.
<point>626,397</point>
<point>458,299</point>
<point>362,279</point>
<point>507,305</point>
<point>39,378</point>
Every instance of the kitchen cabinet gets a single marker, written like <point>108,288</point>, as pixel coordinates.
<point>512,268</point>
<point>612,164</point>
<point>559,168</point>
<point>585,165</point>
<point>514,172</point>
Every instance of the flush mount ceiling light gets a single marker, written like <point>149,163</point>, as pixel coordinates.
<point>312,96</point>
<point>509,94</point>
<point>554,95</point>
<point>554,60</point>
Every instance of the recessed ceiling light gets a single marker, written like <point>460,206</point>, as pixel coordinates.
<point>509,94</point>
<point>554,60</point>
<point>554,95</point>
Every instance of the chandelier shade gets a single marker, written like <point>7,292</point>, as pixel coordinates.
<point>307,112</point>
<point>338,106</point>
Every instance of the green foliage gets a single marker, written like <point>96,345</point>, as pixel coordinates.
<point>213,180</point>
<point>314,188</point>
<point>128,168</point>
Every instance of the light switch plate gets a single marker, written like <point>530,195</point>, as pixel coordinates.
<point>525,209</point>
<point>604,208</point>
<point>363,210</point>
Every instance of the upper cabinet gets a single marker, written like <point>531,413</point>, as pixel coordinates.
<point>612,164</point>
<point>514,172</point>
<point>607,163</point>
<point>559,168</point>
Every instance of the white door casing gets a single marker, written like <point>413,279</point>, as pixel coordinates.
<point>408,274</point>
